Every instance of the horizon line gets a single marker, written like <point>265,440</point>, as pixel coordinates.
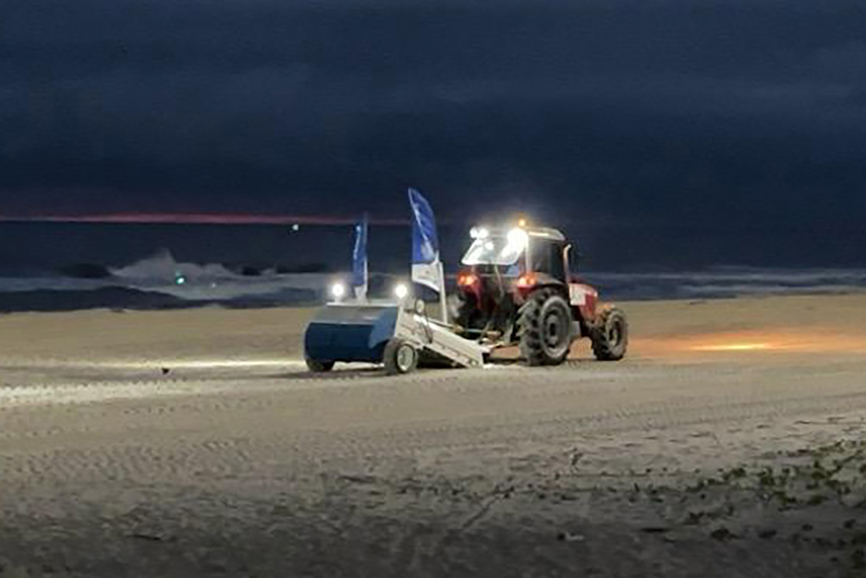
<point>183,218</point>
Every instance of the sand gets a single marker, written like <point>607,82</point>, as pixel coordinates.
<point>193,442</point>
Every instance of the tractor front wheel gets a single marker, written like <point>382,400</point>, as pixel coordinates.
<point>544,328</point>
<point>610,335</point>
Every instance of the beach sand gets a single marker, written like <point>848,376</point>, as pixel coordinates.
<point>185,443</point>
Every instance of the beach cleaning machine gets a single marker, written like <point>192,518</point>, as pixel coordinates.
<point>398,333</point>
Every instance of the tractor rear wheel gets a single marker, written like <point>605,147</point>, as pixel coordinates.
<point>610,335</point>
<point>544,328</point>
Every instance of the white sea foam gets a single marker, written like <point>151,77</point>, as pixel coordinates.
<point>216,282</point>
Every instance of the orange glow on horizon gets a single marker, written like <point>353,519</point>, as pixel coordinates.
<point>182,218</point>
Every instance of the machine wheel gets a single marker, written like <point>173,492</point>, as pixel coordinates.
<point>544,328</point>
<point>400,357</point>
<point>610,335</point>
<point>319,366</point>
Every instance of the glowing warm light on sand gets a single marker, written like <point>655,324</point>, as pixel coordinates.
<point>131,365</point>
<point>736,347</point>
<point>749,344</point>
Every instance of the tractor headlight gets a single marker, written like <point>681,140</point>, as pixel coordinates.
<point>517,240</point>
<point>479,233</point>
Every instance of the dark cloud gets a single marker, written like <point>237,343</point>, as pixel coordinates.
<point>649,114</point>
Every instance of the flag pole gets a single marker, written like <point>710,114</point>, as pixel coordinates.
<point>443,299</point>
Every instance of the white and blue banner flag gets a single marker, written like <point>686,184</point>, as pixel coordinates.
<point>360,273</point>
<point>426,265</point>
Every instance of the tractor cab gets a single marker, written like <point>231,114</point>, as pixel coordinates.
<point>517,255</point>
<point>501,268</point>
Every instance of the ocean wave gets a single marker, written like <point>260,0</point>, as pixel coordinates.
<point>162,267</point>
<point>727,282</point>
<point>191,283</point>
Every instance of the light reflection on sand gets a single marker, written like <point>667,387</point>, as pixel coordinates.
<point>737,347</point>
<point>750,342</point>
<point>135,365</point>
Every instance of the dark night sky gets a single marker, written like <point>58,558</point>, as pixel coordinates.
<point>666,122</point>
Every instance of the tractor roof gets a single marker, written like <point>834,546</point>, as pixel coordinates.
<point>545,232</point>
<point>542,232</point>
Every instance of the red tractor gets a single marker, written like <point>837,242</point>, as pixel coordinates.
<point>517,287</point>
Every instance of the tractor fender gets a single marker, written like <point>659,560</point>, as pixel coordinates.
<point>584,298</point>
